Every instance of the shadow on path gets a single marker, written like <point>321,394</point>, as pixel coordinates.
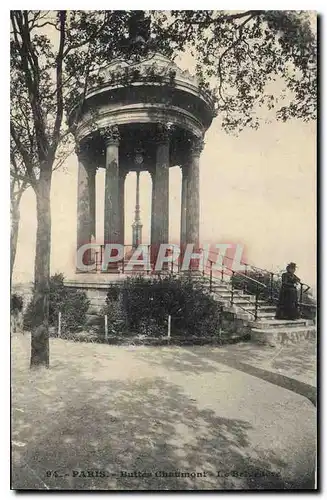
<point>306,390</point>
<point>149,426</point>
<point>199,360</point>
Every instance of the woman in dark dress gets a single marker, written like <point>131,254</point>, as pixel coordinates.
<point>287,307</point>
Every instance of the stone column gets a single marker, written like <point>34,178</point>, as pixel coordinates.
<point>84,223</point>
<point>183,207</point>
<point>111,200</point>
<point>193,195</point>
<point>122,177</point>
<point>161,190</point>
<point>91,182</point>
<point>153,176</point>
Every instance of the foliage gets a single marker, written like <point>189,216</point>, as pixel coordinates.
<point>73,305</point>
<point>16,303</point>
<point>241,54</point>
<point>145,304</point>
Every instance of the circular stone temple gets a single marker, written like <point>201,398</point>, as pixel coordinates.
<point>147,115</point>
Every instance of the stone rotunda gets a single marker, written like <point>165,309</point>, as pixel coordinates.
<point>147,115</point>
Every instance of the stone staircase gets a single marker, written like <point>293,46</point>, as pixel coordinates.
<point>239,319</point>
<point>265,329</point>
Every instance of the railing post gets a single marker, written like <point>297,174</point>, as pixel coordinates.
<point>256,304</point>
<point>222,274</point>
<point>149,261</point>
<point>232,294</point>
<point>123,263</point>
<point>246,269</point>
<point>106,328</point>
<point>301,299</point>
<point>271,286</point>
<point>172,267</point>
<point>59,324</point>
<point>203,264</point>
<point>210,287</point>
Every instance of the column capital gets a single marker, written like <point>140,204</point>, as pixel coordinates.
<point>110,135</point>
<point>196,145</point>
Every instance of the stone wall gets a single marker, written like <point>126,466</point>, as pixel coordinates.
<point>95,292</point>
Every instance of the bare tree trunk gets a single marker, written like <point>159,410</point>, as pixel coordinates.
<point>40,331</point>
<point>15,217</point>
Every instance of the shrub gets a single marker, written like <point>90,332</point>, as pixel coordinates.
<point>73,305</point>
<point>16,303</point>
<point>114,311</point>
<point>142,306</point>
<point>16,308</point>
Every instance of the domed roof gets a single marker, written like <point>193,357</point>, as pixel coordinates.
<point>154,69</point>
<point>158,63</point>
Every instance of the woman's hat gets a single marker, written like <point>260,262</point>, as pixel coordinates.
<point>291,264</point>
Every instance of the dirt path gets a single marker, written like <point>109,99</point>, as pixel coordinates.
<point>147,418</point>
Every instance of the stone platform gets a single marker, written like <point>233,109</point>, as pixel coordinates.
<point>96,286</point>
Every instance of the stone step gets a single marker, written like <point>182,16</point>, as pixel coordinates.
<point>251,307</point>
<point>240,298</point>
<point>277,323</point>
<point>248,315</point>
<point>264,317</point>
<point>220,289</point>
<point>279,336</point>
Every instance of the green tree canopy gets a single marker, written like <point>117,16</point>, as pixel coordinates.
<point>239,54</point>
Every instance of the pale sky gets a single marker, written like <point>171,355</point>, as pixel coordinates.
<point>257,189</point>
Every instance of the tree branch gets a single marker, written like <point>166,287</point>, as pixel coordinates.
<point>59,90</point>
<point>29,59</point>
<point>230,47</point>
<point>85,42</point>
<point>24,154</point>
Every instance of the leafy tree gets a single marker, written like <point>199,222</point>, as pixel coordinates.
<point>239,55</point>
<point>55,56</point>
